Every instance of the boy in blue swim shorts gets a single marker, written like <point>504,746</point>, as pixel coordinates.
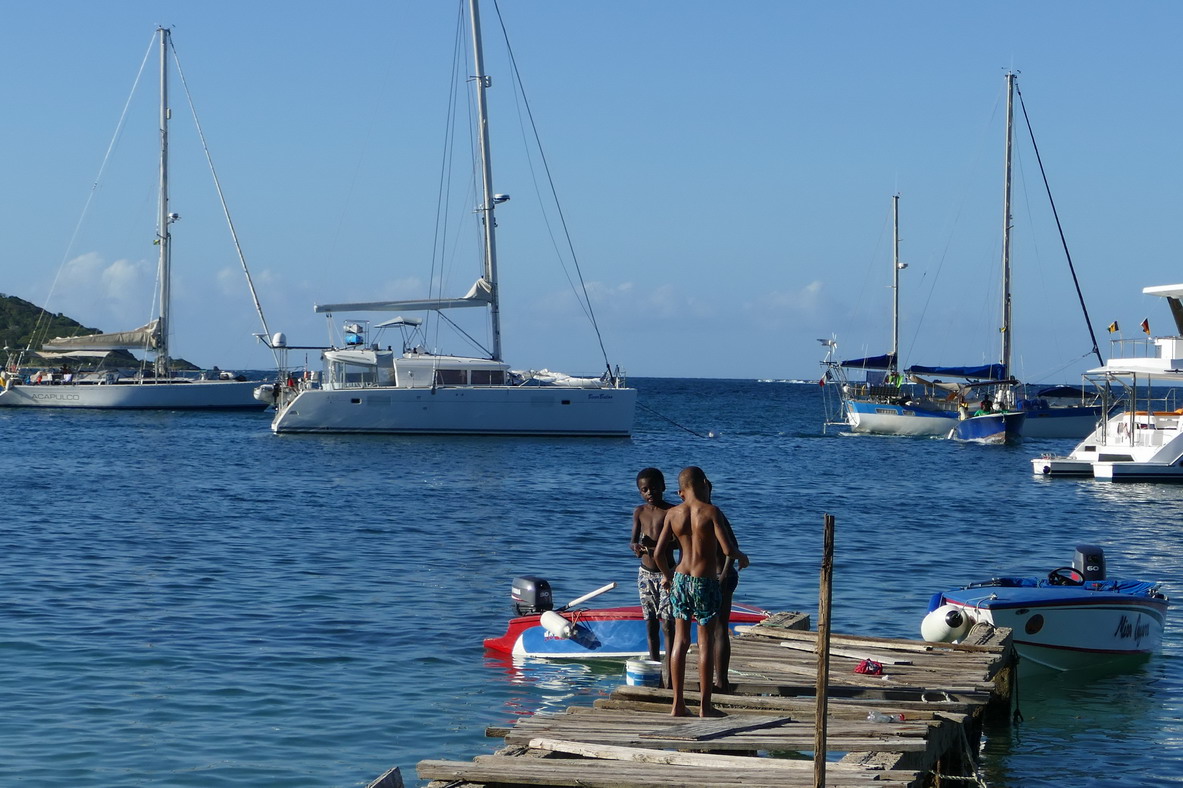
<point>695,594</point>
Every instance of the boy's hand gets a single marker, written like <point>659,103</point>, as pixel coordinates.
<point>638,549</point>
<point>741,558</point>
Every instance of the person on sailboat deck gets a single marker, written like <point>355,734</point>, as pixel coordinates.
<point>986,409</point>
<point>648,521</point>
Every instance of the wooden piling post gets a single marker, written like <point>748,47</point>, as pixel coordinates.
<point>825,595</point>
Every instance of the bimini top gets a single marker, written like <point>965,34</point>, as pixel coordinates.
<point>983,372</point>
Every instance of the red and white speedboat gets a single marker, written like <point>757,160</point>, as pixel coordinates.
<point>573,632</point>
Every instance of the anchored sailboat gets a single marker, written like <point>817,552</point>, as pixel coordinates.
<point>924,401</point>
<point>154,388</point>
<point>368,389</point>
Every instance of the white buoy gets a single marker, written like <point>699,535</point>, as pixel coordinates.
<point>556,625</point>
<point>946,624</point>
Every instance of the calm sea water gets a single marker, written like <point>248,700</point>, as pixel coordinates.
<point>190,600</point>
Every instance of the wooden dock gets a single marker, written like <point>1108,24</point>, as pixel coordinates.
<point>767,738</point>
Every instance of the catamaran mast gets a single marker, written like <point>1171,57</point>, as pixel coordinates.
<point>482,83</point>
<point>895,288</point>
<point>1006,223</point>
<point>163,237</point>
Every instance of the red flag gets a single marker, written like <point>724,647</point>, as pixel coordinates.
<point>1146,325</point>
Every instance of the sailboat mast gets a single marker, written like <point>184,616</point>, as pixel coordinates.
<point>163,238</point>
<point>483,83</point>
<point>1006,223</point>
<point>895,286</point>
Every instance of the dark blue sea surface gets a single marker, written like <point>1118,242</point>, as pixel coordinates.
<point>190,600</point>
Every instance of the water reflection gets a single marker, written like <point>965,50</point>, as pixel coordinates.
<point>1099,713</point>
<point>535,684</point>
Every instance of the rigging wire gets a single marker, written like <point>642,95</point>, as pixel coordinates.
<point>586,303</point>
<point>42,323</point>
<point>222,199</point>
<point>960,207</point>
<point>643,406</point>
<point>1063,241</point>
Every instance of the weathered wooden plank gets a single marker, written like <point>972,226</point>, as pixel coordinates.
<point>881,657</point>
<point>391,778</point>
<point>786,620</point>
<point>616,774</point>
<point>982,643</point>
<point>717,727</point>
<point>649,755</point>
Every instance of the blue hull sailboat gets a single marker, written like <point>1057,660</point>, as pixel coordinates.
<point>923,401</point>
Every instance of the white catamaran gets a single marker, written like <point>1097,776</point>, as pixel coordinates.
<point>413,390</point>
<point>154,388</point>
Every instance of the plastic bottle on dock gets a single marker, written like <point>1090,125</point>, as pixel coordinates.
<point>878,716</point>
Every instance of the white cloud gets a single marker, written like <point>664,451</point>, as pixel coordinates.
<point>104,294</point>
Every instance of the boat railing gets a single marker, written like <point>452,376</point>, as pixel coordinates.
<point>1139,347</point>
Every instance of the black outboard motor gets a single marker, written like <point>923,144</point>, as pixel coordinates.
<point>531,595</point>
<point>1089,562</point>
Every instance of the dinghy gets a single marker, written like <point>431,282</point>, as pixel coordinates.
<point>1074,618</point>
<point>573,632</point>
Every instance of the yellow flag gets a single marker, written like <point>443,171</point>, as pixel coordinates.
<point>1112,326</point>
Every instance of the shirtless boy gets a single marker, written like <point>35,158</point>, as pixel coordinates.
<point>648,519</point>
<point>695,592</point>
<point>728,580</point>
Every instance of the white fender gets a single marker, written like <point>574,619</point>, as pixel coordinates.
<point>946,624</point>
<point>556,625</point>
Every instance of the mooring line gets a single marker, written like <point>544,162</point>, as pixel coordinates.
<point>708,436</point>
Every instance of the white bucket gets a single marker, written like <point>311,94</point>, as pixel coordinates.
<point>642,673</point>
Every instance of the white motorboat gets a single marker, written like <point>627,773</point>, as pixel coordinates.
<point>1142,440</point>
<point>366,388</point>
<point>154,385</point>
<point>1074,618</point>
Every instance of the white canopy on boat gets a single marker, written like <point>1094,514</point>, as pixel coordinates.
<point>1169,291</point>
<point>75,354</point>
<point>399,321</point>
<point>481,294</point>
<point>144,337</point>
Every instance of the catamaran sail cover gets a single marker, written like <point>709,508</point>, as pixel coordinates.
<point>983,372</point>
<point>481,294</point>
<point>143,338</point>
<point>886,361</point>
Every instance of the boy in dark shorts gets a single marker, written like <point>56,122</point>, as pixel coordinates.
<point>648,519</point>
<point>728,581</point>
<point>695,591</point>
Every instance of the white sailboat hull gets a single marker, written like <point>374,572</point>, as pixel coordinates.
<point>886,419</point>
<point>192,395</point>
<point>484,410</point>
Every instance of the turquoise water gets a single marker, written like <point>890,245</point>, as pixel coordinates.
<point>190,600</point>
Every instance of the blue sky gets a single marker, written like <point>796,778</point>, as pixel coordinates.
<point>726,170</point>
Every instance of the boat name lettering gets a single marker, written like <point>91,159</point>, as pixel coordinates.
<point>599,395</point>
<point>55,396</point>
<point>1137,630</point>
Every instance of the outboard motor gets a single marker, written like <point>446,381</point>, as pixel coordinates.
<point>531,595</point>
<point>1089,562</point>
